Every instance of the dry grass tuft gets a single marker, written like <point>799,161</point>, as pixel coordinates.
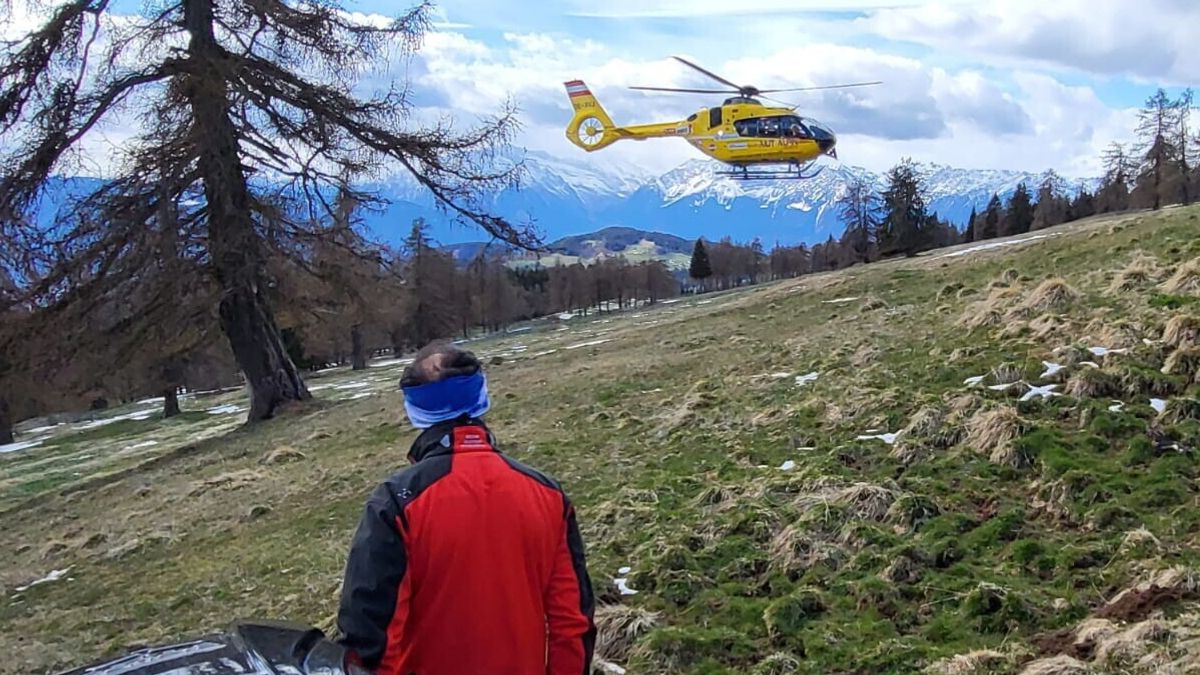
<point>1057,665</point>
<point>865,501</point>
<point>1180,410</point>
<point>962,405</point>
<point>1184,361</point>
<point>1006,373</point>
<point>1140,538</point>
<point>928,429</point>
<point>779,663</point>
<point>992,432</point>
<point>1118,334</point>
<point>675,417</point>
<point>716,498</point>
<point>618,628</point>
<point>1052,295</point>
<point>1186,279</point>
<point>792,550</point>
<point>1141,271</point>
<point>1093,383</point>
<point>1182,330</point>
<point>989,311</point>
<point>281,454</point>
<point>971,663</point>
<point>1046,325</point>
<point>232,480</point>
<point>865,355</point>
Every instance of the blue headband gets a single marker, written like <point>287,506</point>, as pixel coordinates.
<point>428,404</point>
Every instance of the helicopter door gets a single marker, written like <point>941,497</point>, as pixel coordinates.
<point>714,118</point>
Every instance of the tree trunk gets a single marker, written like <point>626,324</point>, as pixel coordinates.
<point>170,402</point>
<point>358,356</point>
<point>6,423</point>
<point>234,246</point>
<point>397,343</point>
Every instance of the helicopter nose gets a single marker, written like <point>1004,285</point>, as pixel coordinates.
<point>827,144</point>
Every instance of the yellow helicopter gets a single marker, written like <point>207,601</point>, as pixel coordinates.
<point>742,132</point>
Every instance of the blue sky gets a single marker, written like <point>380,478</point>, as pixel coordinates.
<point>1024,84</point>
<point>1021,84</point>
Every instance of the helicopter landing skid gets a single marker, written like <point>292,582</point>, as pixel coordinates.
<point>792,172</point>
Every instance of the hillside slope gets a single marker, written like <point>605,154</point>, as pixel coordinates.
<point>979,460</point>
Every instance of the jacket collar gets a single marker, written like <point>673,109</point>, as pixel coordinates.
<point>464,434</point>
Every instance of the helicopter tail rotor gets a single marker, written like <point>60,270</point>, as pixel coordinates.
<point>591,128</point>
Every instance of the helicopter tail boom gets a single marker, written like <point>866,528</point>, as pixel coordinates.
<point>591,128</point>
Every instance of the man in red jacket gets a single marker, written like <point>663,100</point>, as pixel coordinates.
<point>467,562</point>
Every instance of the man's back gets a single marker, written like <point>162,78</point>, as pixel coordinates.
<point>468,562</point>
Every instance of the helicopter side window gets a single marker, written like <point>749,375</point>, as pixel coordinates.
<point>714,118</point>
<point>747,127</point>
<point>768,127</point>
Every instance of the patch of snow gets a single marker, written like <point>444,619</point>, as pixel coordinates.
<point>802,380</point>
<point>54,575</point>
<point>352,385</point>
<point>787,465</point>
<point>545,353</point>
<point>318,387</point>
<point>623,586</point>
<point>42,430</point>
<point>1159,405</point>
<point>624,570</point>
<point>522,329</point>
<point>143,444</point>
<point>1052,369</point>
<point>227,409</point>
<point>384,363</point>
<point>1040,392</point>
<point>20,445</point>
<point>138,415</point>
<point>1003,387</point>
<point>361,394</point>
<point>779,376</point>
<point>997,244</point>
<point>1149,342</point>
<point>1117,406</point>
<point>890,439</point>
<point>838,301</point>
<point>704,302</point>
<point>974,380</point>
<point>1089,364</point>
<point>592,343</point>
<point>566,316</point>
<point>611,668</point>
<point>1105,351</point>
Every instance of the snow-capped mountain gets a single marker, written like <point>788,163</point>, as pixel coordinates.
<point>567,197</point>
<point>563,197</point>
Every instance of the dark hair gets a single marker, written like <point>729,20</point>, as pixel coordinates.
<point>425,368</point>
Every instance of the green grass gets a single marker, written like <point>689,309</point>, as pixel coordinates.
<point>866,557</point>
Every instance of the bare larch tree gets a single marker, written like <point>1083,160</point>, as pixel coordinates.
<point>240,104</point>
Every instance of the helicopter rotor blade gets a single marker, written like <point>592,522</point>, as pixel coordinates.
<point>687,91</point>
<point>829,86</point>
<point>713,75</point>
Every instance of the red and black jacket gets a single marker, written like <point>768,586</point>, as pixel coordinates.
<point>468,562</point>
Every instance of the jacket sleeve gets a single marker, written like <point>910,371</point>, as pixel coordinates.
<point>370,602</point>
<point>570,605</point>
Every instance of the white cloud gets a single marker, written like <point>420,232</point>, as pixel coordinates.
<point>958,117</point>
<point>1154,39</point>
<point>694,8</point>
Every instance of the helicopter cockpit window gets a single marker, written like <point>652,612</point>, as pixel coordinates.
<point>794,128</point>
